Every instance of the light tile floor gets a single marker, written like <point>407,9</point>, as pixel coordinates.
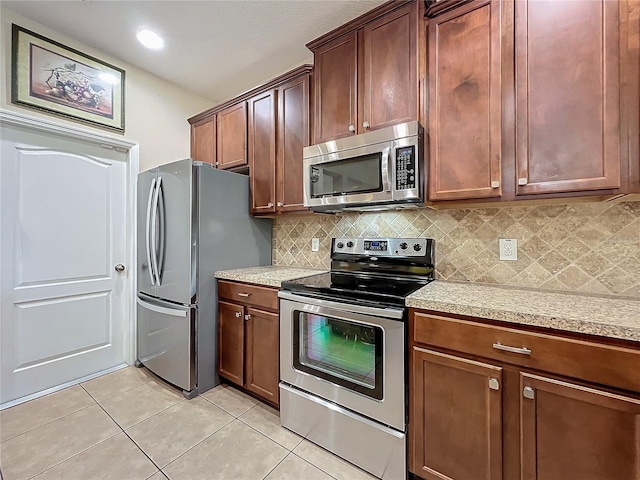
<point>128,425</point>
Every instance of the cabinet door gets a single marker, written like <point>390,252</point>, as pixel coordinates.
<point>293,136</point>
<point>465,102</point>
<point>232,136</point>
<point>455,428</point>
<point>390,64</point>
<point>571,431</point>
<point>203,140</point>
<point>262,152</point>
<point>567,95</point>
<point>335,89</point>
<point>231,341</point>
<point>262,351</point>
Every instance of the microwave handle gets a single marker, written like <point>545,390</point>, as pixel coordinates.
<point>388,166</point>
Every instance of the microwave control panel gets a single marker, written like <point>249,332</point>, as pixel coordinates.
<point>406,173</point>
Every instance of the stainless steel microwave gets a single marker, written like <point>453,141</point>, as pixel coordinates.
<point>377,170</point>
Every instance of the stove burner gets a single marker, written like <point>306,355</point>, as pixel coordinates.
<point>362,275</point>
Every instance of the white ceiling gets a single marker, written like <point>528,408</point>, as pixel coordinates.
<point>216,48</point>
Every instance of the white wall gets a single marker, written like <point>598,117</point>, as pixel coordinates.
<point>156,111</point>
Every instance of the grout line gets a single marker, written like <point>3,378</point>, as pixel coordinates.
<point>132,440</point>
<point>204,439</point>
<point>276,465</point>
<point>313,464</point>
<point>78,453</point>
<point>47,423</point>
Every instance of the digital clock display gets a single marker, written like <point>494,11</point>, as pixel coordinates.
<point>375,245</point>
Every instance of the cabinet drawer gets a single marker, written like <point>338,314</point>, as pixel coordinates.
<point>264,297</point>
<point>604,364</point>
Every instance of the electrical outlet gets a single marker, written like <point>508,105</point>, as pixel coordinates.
<point>508,249</point>
<point>315,244</point>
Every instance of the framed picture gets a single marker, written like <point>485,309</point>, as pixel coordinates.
<point>48,76</point>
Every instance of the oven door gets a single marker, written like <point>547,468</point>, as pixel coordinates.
<point>351,355</point>
<point>356,176</point>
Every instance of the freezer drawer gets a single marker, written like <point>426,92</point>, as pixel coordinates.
<point>166,341</point>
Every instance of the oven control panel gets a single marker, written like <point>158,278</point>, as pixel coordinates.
<point>387,247</point>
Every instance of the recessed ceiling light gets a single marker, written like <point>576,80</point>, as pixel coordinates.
<point>150,39</point>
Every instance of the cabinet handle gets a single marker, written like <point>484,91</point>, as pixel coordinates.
<point>494,384</point>
<point>238,314</point>
<point>523,181</point>
<point>241,294</point>
<point>506,348</point>
<point>352,128</point>
<point>269,204</point>
<point>247,317</point>
<point>495,184</point>
<point>366,125</point>
<point>279,204</point>
<point>528,392</point>
<point>217,164</point>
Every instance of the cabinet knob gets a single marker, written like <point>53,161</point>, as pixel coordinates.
<point>269,204</point>
<point>279,204</point>
<point>238,314</point>
<point>494,384</point>
<point>366,125</point>
<point>352,128</point>
<point>247,317</point>
<point>495,184</point>
<point>529,393</point>
<point>523,181</point>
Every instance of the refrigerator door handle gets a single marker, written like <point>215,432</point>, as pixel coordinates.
<point>148,232</point>
<point>154,232</point>
<point>162,220</point>
<point>163,310</point>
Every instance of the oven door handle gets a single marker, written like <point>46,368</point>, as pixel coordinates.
<point>395,313</point>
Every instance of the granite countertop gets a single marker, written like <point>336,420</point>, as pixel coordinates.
<point>594,315</point>
<point>270,276</point>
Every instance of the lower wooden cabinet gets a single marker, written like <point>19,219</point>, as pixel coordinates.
<point>493,418</point>
<point>572,431</point>
<point>248,338</point>
<point>457,417</point>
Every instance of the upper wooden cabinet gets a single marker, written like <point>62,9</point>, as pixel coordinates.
<point>568,135</point>
<point>366,73</point>
<point>531,98</point>
<point>293,136</point>
<point>278,131</point>
<point>231,136</point>
<point>203,140</point>
<point>465,105</point>
<point>262,151</point>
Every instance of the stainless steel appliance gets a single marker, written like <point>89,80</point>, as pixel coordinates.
<point>192,221</point>
<point>343,350</point>
<point>377,170</point>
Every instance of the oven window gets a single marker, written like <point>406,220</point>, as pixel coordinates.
<point>355,175</point>
<point>341,351</point>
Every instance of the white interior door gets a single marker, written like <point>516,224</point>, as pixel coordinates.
<point>64,308</point>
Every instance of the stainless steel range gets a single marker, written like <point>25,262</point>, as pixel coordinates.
<point>343,340</point>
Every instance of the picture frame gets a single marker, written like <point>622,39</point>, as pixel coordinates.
<point>51,77</point>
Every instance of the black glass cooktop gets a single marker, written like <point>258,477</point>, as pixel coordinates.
<point>357,288</point>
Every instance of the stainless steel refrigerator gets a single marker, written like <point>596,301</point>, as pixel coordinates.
<point>192,221</point>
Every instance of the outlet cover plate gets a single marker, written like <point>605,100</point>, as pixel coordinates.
<point>508,249</point>
<point>315,244</point>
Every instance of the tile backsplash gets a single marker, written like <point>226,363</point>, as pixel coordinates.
<point>585,247</point>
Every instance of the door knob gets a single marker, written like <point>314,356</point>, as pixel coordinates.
<point>119,268</point>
